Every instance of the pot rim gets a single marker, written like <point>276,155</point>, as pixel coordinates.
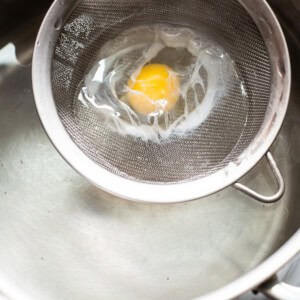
<point>259,274</point>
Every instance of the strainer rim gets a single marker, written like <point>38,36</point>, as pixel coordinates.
<point>123,187</point>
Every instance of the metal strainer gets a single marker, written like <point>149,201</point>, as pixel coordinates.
<point>219,152</point>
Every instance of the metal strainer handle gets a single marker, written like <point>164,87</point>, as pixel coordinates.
<point>275,289</point>
<point>262,198</point>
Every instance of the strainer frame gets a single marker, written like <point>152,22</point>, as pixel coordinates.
<point>169,192</point>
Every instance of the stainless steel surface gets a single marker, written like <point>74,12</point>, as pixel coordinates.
<point>259,274</point>
<point>62,238</point>
<point>289,274</point>
<point>265,199</point>
<point>100,155</point>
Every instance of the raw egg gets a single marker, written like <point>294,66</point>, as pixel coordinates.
<point>154,89</point>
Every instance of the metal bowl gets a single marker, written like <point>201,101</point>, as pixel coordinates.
<point>60,237</point>
<point>91,156</point>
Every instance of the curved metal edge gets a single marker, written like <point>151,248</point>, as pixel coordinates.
<point>120,186</point>
<point>261,273</point>
<point>262,198</point>
<point>275,289</point>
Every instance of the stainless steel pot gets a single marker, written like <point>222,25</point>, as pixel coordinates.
<point>62,238</point>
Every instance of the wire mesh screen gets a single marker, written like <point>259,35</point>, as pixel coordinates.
<point>228,129</point>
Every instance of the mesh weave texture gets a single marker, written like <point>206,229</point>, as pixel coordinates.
<point>224,135</point>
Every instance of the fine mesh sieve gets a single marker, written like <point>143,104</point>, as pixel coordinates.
<point>233,138</point>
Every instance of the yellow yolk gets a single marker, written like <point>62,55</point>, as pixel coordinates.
<point>155,88</point>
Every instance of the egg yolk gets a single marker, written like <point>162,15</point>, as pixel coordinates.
<point>155,88</point>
